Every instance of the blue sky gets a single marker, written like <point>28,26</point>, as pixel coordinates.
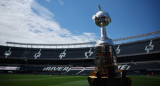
<point>129,17</point>
<point>70,21</point>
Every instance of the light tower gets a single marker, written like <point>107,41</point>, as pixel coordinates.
<point>106,72</point>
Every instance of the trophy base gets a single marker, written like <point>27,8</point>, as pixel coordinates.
<point>106,81</point>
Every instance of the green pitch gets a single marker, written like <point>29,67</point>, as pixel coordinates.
<point>60,80</point>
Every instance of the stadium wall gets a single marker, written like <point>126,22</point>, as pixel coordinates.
<point>140,56</point>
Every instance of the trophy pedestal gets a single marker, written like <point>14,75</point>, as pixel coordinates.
<point>106,72</point>
<point>106,81</point>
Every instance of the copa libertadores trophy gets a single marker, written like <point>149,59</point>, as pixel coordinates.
<point>106,72</point>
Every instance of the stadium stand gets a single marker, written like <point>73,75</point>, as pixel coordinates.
<point>139,55</point>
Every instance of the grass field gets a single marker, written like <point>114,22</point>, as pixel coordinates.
<point>59,80</point>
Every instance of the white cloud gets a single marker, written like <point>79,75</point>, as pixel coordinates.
<point>56,1</point>
<point>29,22</point>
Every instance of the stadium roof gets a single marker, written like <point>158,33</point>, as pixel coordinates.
<point>87,43</point>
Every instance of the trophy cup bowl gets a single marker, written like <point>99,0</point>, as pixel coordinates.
<point>101,17</point>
